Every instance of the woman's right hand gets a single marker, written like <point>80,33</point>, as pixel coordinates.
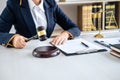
<point>19,41</point>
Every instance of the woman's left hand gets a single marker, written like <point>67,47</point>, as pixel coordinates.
<point>60,39</point>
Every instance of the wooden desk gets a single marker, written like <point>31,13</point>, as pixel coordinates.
<point>19,64</point>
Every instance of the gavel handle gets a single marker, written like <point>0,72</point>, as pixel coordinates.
<point>31,38</point>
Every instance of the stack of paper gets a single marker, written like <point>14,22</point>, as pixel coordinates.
<point>115,50</point>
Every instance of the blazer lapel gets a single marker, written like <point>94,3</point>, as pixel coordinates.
<point>48,13</point>
<point>25,10</point>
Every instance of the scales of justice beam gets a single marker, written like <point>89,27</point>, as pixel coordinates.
<point>99,35</point>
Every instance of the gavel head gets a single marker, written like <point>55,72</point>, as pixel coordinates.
<point>41,33</point>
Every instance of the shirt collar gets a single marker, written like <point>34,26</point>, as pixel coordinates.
<point>32,5</point>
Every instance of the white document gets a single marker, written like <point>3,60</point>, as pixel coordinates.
<point>108,41</point>
<point>75,46</point>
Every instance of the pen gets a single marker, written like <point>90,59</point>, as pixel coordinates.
<point>101,43</point>
<point>84,44</point>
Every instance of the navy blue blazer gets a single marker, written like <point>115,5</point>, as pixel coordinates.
<point>20,16</point>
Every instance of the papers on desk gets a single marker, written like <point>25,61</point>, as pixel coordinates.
<point>112,43</point>
<point>75,47</point>
<point>107,41</point>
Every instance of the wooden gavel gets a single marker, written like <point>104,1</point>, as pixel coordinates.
<point>41,34</point>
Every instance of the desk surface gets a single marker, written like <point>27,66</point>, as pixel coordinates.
<point>19,64</point>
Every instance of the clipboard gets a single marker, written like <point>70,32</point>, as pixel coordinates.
<point>74,47</point>
<point>82,53</point>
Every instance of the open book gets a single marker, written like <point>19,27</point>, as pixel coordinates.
<point>76,47</point>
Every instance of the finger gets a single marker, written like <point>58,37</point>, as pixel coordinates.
<point>16,43</point>
<point>57,40</point>
<point>64,41</point>
<point>60,41</point>
<point>54,40</point>
<point>19,43</point>
<point>22,42</point>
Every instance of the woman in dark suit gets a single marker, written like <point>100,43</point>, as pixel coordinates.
<point>19,14</point>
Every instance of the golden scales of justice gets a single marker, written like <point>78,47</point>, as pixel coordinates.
<point>112,18</point>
